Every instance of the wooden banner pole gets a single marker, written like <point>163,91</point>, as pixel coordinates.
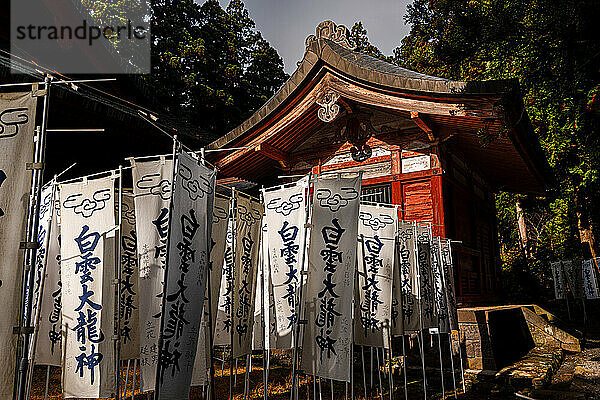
<point>133,379</point>
<point>166,274</point>
<point>28,275</point>
<point>34,340</point>
<point>47,382</point>
<point>452,364</point>
<point>296,328</point>
<point>233,231</point>
<point>117,306</point>
<point>404,367</point>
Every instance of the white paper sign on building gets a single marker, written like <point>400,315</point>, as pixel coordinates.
<point>417,163</point>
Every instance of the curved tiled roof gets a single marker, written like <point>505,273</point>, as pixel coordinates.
<point>376,64</point>
<point>322,52</point>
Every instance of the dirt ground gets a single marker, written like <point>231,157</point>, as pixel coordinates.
<point>578,378</point>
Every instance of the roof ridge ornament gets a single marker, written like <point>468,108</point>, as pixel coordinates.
<point>336,33</point>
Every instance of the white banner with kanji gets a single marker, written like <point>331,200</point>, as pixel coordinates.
<point>48,348</point>
<point>152,194</point>
<point>560,288</point>
<point>248,225</point>
<point>376,248</point>
<point>448,276</point>
<point>17,123</point>
<point>43,239</point>
<point>439,287</point>
<point>409,286</point>
<point>427,289</point>
<point>87,272</point>
<point>128,290</point>
<point>186,275</point>
<point>327,342</point>
<point>221,211</point>
<point>285,216</point>
<point>572,270</point>
<point>222,322</point>
<point>590,284</point>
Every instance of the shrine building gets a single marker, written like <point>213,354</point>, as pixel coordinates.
<point>438,148</point>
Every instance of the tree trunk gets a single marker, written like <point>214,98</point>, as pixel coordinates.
<point>585,226</point>
<point>522,228</point>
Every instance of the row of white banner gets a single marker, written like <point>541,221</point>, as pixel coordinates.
<point>396,275</point>
<point>402,282</point>
<point>581,278</point>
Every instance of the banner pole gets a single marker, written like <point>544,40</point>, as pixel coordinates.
<point>390,372</point>
<point>460,357</point>
<point>30,254</point>
<point>441,364</point>
<point>331,386</point>
<point>379,373</point>
<point>439,303</point>
<point>419,304</point>
<point>296,337</point>
<point>404,367</point>
<point>247,375</point>
<point>41,292</point>
<point>47,382</point>
<point>362,246</point>
<point>165,275</point>
<point>233,244</point>
<point>351,356</point>
<point>265,331</point>
<point>452,364</point>
<point>584,320</point>
<point>117,283</point>
<point>211,365</point>
<point>448,311</point>
<point>126,378</point>
<point>211,351</point>
<point>133,379</point>
<point>371,365</point>
<point>364,373</point>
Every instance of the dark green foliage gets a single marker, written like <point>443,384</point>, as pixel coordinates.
<point>359,38</point>
<point>553,48</point>
<point>210,67</point>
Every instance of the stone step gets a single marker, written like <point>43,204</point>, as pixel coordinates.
<point>548,394</point>
<point>544,328</point>
<point>535,369</point>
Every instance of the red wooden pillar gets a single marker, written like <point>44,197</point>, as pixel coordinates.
<point>396,183</point>
<point>437,197</point>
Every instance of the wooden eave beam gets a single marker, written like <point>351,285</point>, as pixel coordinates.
<point>425,125</point>
<point>274,153</point>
